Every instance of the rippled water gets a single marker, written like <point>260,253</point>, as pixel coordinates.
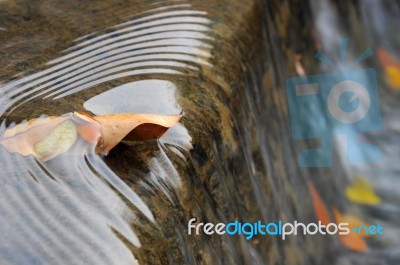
<point>74,209</point>
<point>223,64</point>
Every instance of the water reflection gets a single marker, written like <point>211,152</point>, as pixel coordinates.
<point>71,207</point>
<point>145,96</point>
<point>151,44</point>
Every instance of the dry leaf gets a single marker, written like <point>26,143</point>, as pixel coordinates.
<point>355,223</point>
<point>362,192</point>
<point>393,76</point>
<point>386,59</point>
<point>352,241</point>
<point>49,122</point>
<point>319,207</point>
<point>23,137</point>
<point>134,127</point>
<point>58,141</point>
<point>391,67</point>
<point>48,137</point>
<point>88,128</point>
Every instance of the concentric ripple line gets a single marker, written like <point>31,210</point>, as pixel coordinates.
<point>101,47</point>
<point>164,40</point>
<point>162,8</point>
<point>111,68</point>
<point>106,52</point>
<point>166,14</point>
<point>62,74</point>
<point>6,106</point>
<point>129,73</point>
<point>71,77</point>
<point>136,66</point>
<point>169,20</point>
<point>160,22</point>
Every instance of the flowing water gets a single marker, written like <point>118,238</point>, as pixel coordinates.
<point>223,64</point>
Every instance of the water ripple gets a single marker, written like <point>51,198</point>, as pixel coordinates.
<point>168,42</point>
<point>75,208</point>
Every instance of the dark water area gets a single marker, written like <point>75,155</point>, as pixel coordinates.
<point>223,65</point>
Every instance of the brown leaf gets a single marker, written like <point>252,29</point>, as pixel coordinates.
<point>48,137</point>
<point>133,127</point>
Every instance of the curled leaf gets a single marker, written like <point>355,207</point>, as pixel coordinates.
<point>88,128</point>
<point>23,137</point>
<point>133,127</point>
<point>34,124</point>
<point>48,137</point>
